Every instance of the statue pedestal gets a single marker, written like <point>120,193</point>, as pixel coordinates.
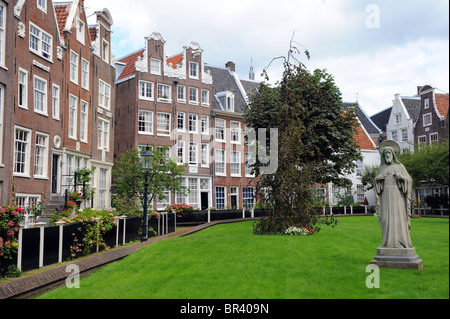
<point>405,258</point>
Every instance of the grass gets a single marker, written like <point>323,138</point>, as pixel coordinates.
<point>229,262</point>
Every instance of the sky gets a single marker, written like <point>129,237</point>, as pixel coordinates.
<point>373,48</point>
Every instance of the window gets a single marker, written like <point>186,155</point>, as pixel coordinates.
<point>42,4</point>
<point>205,97</point>
<point>193,96</point>
<point>155,66</point>
<point>73,117</point>
<point>84,121</point>
<point>180,197</point>
<point>360,193</point>
<point>193,70</point>
<point>193,194</point>
<point>40,95</point>
<point>193,119</point>
<point>220,162</point>
<point>40,42</point>
<point>163,201</point>
<point>2,108</point>
<point>22,138</point>
<point>235,131</point>
<point>55,101</point>
<point>180,121</point>
<point>394,136</point>
<point>427,119</point>
<point>249,161</point>
<point>433,138</point>
<point>248,197</point>
<point>105,51</point>
<point>235,166</point>
<point>164,93</point>
<point>145,125</point>
<point>230,102</point>
<point>205,124</point>
<point>181,93</point>
<point>102,188</point>
<point>103,134</point>
<point>404,134</point>
<point>426,103</point>
<point>2,33</point>
<point>80,31</point>
<point>41,155</point>
<point>193,151</point>
<point>359,168</point>
<point>146,90</point>
<point>84,74</point>
<point>25,201</point>
<point>220,129</point>
<point>205,155</point>
<point>422,141</point>
<point>23,89</point>
<point>398,118</point>
<point>104,95</point>
<point>73,67</point>
<point>220,197</point>
<point>180,152</point>
<point>163,124</point>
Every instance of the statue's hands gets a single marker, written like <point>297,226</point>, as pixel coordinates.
<point>399,177</point>
<point>380,177</point>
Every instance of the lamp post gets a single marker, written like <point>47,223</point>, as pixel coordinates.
<point>146,160</point>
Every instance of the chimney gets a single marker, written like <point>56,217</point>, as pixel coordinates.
<point>231,66</point>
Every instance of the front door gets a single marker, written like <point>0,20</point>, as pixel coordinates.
<point>204,200</point>
<point>55,173</point>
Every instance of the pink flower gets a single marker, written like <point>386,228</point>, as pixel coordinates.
<point>10,223</point>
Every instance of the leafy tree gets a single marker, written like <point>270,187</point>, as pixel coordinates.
<point>430,164</point>
<point>368,176</point>
<point>315,139</point>
<point>129,176</point>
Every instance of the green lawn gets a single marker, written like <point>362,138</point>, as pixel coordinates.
<point>227,262</point>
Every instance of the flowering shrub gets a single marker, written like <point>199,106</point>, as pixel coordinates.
<point>89,229</point>
<point>180,208</point>
<point>298,231</point>
<point>75,196</point>
<point>10,217</point>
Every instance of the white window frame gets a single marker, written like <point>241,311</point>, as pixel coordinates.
<point>41,160</point>
<point>103,134</point>
<point>42,5</point>
<point>84,121</point>
<point>42,93</point>
<point>193,154</point>
<point>425,122</point>
<point>245,197</point>
<point>85,74</point>
<point>360,193</point>
<point>235,132</point>
<point>394,135</point>
<point>205,97</point>
<point>359,168</point>
<point>56,101</point>
<point>224,198</point>
<point>248,162</point>
<point>193,123</point>
<point>434,138</point>
<point>193,70</point>
<point>155,66</point>
<point>102,187</point>
<point>404,134</point>
<point>74,58</point>
<point>105,51</point>
<point>167,123</point>
<point>235,162</point>
<point>146,87</point>
<point>181,93</point>
<point>204,155</point>
<point>24,86</point>
<point>73,120</point>
<point>147,121</point>
<point>104,94</point>
<point>193,197</point>
<point>161,89</point>
<point>220,158</point>
<point>220,127</point>
<point>26,152</point>
<point>426,103</point>
<point>81,31</point>
<point>180,152</point>
<point>422,141</point>
<point>181,119</point>
<point>193,95</point>
<point>398,118</point>
<point>40,43</point>
<point>3,12</point>
<point>205,125</point>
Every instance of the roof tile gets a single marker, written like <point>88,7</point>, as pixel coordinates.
<point>442,104</point>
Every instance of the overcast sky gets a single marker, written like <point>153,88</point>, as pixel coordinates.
<point>374,48</point>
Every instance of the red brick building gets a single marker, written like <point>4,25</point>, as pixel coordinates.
<point>167,101</point>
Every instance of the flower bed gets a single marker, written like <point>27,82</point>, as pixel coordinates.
<point>10,217</point>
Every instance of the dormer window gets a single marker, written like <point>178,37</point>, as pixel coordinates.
<point>226,100</point>
<point>427,103</point>
<point>155,66</point>
<point>105,51</point>
<point>193,70</point>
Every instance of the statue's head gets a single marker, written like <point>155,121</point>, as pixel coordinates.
<point>389,150</point>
